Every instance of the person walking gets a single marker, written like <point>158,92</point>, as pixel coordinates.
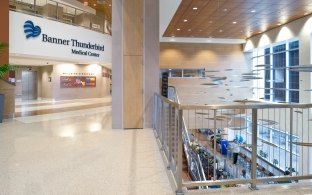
<point>235,151</point>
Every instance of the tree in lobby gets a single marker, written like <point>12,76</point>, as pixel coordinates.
<point>4,68</point>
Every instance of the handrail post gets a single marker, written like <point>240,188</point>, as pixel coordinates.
<point>157,121</point>
<point>35,7</point>
<point>170,136</point>
<point>291,140</point>
<point>254,149</point>
<point>57,11</point>
<point>162,125</point>
<point>179,170</point>
<point>215,145</point>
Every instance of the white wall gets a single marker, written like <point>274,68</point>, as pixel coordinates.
<point>226,60</point>
<point>35,46</point>
<point>44,82</point>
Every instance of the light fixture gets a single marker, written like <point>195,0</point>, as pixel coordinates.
<point>178,29</point>
<point>185,20</point>
<point>234,22</point>
<point>306,13</point>
<point>220,30</point>
<point>85,3</point>
<point>253,11</point>
<point>195,8</point>
<point>279,24</point>
<point>210,21</point>
<point>189,29</point>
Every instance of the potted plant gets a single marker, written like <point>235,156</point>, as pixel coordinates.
<point>4,68</point>
<point>275,162</point>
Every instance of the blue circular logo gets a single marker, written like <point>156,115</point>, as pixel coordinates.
<point>31,30</point>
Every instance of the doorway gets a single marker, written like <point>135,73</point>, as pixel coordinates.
<point>29,85</point>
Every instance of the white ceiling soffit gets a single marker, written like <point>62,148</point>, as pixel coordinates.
<point>202,40</point>
<point>167,10</point>
<point>78,5</point>
<point>30,60</point>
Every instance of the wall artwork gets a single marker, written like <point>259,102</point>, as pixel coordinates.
<point>77,81</point>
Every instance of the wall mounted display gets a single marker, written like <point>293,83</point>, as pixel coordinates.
<point>77,81</point>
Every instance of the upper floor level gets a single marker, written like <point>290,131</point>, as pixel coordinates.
<point>83,16</point>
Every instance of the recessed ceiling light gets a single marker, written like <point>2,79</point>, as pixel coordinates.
<point>210,21</point>
<point>110,5</point>
<point>85,3</point>
<point>195,8</point>
<point>225,10</point>
<point>178,29</point>
<point>253,11</point>
<point>279,24</point>
<point>200,30</point>
<point>94,5</point>
<point>306,13</point>
<point>185,20</point>
<point>220,30</point>
<point>234,22</point>
<point>189,29</point>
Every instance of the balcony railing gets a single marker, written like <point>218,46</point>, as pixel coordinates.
<point>274,140</point>
<point>63,13</point>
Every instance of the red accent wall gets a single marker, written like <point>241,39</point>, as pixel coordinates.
<point>4,29</point>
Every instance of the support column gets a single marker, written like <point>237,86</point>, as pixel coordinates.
<point>151,58</point>
<point>135,65</point>
<point>4,32</point>
<point>5,88</point>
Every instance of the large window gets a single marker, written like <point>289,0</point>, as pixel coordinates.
<point>267,73</point>
<point>278,84</point>
<point>185,72</point>
<point>294,76</point>
<point>279,73</point>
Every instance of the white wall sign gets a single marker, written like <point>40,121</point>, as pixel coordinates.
<point>43,38</point>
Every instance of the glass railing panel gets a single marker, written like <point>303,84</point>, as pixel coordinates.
<point>49,9</point>
<point>68,14</point>
<point>26,6</point>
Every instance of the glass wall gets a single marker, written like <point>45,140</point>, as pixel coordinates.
<point>273,145</point>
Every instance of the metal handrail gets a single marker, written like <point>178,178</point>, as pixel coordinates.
<point>187,145</point>
<point>261,105</point>
<point>255,108</point>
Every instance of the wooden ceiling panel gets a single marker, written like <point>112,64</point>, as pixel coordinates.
<point>236,19</point>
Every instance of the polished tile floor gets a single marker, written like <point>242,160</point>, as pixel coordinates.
<point>76,152</point>
<point>70,148</point>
